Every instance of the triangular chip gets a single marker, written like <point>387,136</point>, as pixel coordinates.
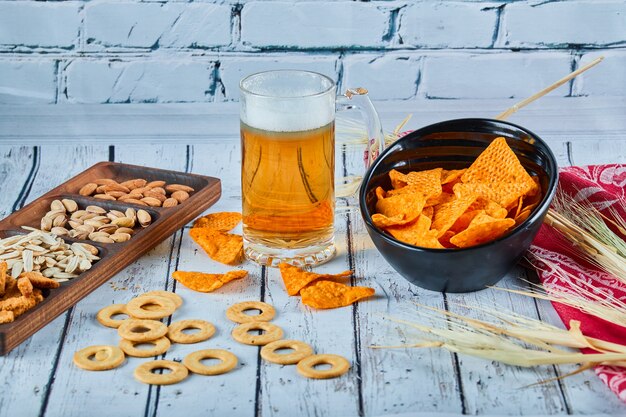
<point>223,221</point>
<point>380,193</point>
<point>398,179</point>
<point>464,221</point>
<point>202,282</point>
<point>490,207</point>
<point>411,233</point>
<point>446,214</point>
<point>330,294</point>
<point>383,221</point>
<point>483,228</point>
<point>505,194</point>
<point>451,175</point>
<point>221,247</point>
<point>498,164</point>
<point>445,240</point>
<point>295,278</point>
<point>408,205</point>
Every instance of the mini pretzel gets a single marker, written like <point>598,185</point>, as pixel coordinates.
<point>132,330</point>
<point>339,366</point>
<point>105,316</point>
<point>176,335</point>
<point>300,351</point>
<point>272,333</point>
<point>144,372</point>
<point>178,301</point>
<point>194,364</point>
<point>160,346</point>
<point>236,312</point>
<point>134,307</point>
<point>111,357</point>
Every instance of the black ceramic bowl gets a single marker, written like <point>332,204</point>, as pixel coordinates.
<point>455,144</point>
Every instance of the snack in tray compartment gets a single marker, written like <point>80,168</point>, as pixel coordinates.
<point>442,209</point>
<point>199,281</point>
<point>93,223</point>
<point>321,289</point>
<point>30,257</point>
<point>138,191</point>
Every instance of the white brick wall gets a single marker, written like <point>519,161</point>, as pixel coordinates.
<point>111,51</point>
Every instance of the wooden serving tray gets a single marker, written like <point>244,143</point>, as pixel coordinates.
<point>114,256</point>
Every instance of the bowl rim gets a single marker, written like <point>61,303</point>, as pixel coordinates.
<point>538,212</point>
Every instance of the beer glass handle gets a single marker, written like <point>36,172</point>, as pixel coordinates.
<point>356,98</point>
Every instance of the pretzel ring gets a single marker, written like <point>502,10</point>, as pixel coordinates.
<point>177,299</point>
<point>176,335</point>
<point>144,372</point>
<point>132,330</point>
<point>105,316</point>
<point>339,366</point>
<point>134,307</point>
<point>236,312</point>
<point>228,362</point>
<point>114,358</point>
<point>300,351</point>
<point>272,333</point>
<point>160,346</point>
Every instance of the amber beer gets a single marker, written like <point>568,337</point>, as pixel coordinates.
<point>288,186</point>
<point>288,166</point>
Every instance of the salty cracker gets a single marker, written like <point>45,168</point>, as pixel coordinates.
<point>447,214</point>
<point>408,205</point>
<point>39,281</point>
<point>222,221</point>
<point>201,282</point>
<point>499,164</point>
<point>221,247</point>
<point>295,278</point>
<point>3,277</point>
<point>329,294</point>
<point>483,228</point>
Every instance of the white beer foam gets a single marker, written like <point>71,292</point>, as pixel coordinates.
<point>288,114</point>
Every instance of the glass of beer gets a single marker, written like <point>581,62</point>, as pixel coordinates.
<point>288,163</point>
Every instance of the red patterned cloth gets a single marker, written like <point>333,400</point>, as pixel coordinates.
<point>604,186</point>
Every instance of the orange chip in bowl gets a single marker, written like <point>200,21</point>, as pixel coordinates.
<point>482,229</point>
<point>382,221</point>
<point>222,247</point>
<point>408,205</point>
<point>199,281</point>
<point>380,193</point>
<point>329,294</point>
<point>464,221</point>
<point>498,164</point>
<point>448,176</point>
<point>224,221</point>
<point>398,179</point>
<point>295,278</point>
<point>448,213</point>
<point>411,233</point>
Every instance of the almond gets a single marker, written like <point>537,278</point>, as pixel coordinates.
<point>178,187</point>
<point>153,184</point>
<point>151,201</point>
<point>170,202</point>
<point>114,187</point>
<point>154,194</point>
<point>135,201</point>
<point>116,194</point>
<point>88,189</point>
<point>105,181</point>
<point>160,190</point>
<point>134,183</point>
<point>180,196</point>
<point>104,197</point>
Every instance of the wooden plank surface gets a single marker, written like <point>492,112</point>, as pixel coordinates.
<point>39,378</point>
